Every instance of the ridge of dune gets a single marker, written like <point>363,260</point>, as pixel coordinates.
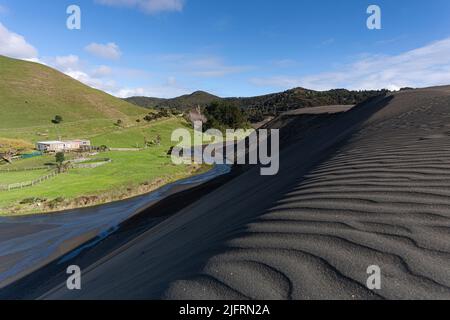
<point>370,188</point>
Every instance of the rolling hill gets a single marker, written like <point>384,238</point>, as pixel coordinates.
<point>267,104</point>
<point>198,98</point>
<point>32,94</point>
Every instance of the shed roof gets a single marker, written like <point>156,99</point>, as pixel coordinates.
<point>50,142</point>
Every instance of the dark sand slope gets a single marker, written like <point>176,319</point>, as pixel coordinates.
<point>371,188</point>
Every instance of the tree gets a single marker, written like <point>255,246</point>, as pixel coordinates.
<point>57,119</point>
<point>60,158</point>
<point>164,113</point>
<point>149,117</point>
<point>222,116</point>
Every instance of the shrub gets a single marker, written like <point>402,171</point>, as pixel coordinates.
<point>32,200</point>
<point>60,157</point>
<point>221,116</point>
<point>57,120</point>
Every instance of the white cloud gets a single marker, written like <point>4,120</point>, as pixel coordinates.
<point>214,67</point>
<point>159,91</point>
<point>102,71</point>
<point>102,78</point>
<point>74,67</point>
<point>84,77</point>
<point>67,62</point>
<point>15,46</point>
<point>148,6</point>
<point>169,89</point>
<point>99,77</point>
<point>422,67</point>
<point>110,51</point>
<point>202,66</point>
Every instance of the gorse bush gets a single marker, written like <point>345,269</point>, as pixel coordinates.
<point>222,115</point>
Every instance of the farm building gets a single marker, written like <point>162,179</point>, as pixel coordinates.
<point>58,146</point>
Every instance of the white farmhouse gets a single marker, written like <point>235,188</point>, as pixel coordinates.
<point>50,146</point>
<point>60,146</point>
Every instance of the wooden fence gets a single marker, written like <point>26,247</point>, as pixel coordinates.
<point>126,149</point>
<point>21,185</point>
<point>25,169</point>
<point>92,165</point>
<point>77,164</point>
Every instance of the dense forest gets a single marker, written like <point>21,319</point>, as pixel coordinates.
<point>256,108</point>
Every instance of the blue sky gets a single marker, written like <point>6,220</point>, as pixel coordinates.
<point>167,48</point>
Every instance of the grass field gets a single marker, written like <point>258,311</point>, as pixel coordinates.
<point>35,162</point>
<point>126,172</point>
<point>21,176</point>
<point>31,95</point>
<point>135,137</point>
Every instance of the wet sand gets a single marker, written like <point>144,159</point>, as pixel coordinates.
<point>28,243</point>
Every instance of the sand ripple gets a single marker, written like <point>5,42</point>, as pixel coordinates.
<point>382,199</point>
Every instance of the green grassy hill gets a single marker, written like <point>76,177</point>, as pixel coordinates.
<point>129,173</point>
<point>32,94</point>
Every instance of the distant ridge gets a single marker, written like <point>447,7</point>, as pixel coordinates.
<point>197,98</point>
<point>271,103</point>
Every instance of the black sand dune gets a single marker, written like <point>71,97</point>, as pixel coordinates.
<point>371,187</point>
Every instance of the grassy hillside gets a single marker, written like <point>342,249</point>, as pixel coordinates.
<point>32,94</point>
<point>128,174</point>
